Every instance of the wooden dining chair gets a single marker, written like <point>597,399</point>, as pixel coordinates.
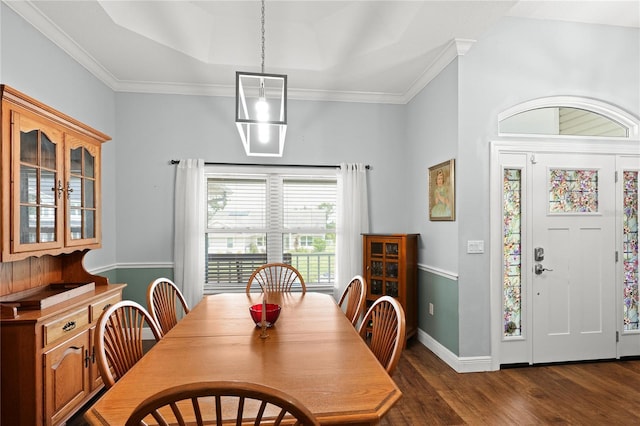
<point>384,328</point>
<point>354,299</point>
<point>249,403</point>
<point>276,277</point>
<point>118,339</point>
<point>163,297</point>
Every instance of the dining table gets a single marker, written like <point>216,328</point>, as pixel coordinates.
<point>312,352</point>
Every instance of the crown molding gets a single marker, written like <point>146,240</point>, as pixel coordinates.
<point>453,49</point>
<point>51,31</point>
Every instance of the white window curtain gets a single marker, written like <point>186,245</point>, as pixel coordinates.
<point>189,230</point>
<point>352,221</point>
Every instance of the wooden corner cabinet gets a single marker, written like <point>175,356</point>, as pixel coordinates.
<point>391,269</point>
<point>49,304</point>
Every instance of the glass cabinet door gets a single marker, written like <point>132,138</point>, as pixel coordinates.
<point>38,188</point>
<point>382,267</point>
<point>81,189</point>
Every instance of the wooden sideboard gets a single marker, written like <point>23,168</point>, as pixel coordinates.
<point>50,211</point>
<point>47,362</point>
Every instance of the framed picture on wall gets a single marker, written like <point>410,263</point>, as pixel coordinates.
<point>442,195</point>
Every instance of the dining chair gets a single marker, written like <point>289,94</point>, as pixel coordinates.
<point>249,403</point>
<point>163,297</point>
<point>277,277</point>
<point>384,328</point>
<point>354,299</point>
<point>118,339</point>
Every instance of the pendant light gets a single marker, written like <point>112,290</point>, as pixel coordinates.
<point>261,109</point>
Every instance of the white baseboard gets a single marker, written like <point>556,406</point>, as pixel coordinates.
<point>459,364</point>
<point>147,334</point>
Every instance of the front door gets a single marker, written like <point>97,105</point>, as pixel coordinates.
<point>573,274</point>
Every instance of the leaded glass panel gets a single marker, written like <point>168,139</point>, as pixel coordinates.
<point>376,286</point>
<point>573,191</point>
<point>89,224</point>
<point>75,161</point>
<point>28,224</point>
<point>512,240</point>
<point>89,160</point>
<point>29,147</point>
<point>391,289</point>
<point>630,250</point>
<point>47,152</point>
<point>28,185</point>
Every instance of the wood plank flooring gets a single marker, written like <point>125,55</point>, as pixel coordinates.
<point>597,393</point>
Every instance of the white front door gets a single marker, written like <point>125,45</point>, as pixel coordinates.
<point>573,274</point>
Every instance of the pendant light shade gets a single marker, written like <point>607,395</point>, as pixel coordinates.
<point>261,109</point>
<point>261,112</point>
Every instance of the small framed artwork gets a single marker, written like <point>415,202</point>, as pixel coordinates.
<point>442,195</point>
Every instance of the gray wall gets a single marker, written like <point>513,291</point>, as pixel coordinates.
<point>38,68</point>
<point>516,61</point>
<point>455,116</point>
<point>157,128</point>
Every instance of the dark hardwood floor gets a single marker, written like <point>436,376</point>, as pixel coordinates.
<point>594,393</point>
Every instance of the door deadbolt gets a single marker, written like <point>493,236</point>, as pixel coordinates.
<point>538,254</point>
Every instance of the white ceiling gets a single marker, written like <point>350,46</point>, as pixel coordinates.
<point>367,51</point>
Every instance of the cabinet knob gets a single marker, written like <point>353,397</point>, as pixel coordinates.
<point>60,189</point>
<point>69,326</point>
<point>69,190</point>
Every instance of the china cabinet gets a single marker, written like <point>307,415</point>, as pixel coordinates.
<point>391,269</point>
<point>49,303</point>
<point>50,180</point>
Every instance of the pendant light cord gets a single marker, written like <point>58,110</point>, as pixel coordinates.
<point>262,21</point>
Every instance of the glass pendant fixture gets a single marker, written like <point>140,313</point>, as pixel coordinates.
<point>261,109</point>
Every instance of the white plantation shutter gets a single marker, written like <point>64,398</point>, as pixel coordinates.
<point>307,204</point>
<point>255,218</point>
<point>274,238</point>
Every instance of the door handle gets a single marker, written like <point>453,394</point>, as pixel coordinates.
<point>539,269</point>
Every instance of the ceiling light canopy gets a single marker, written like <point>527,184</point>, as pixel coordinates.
<point>261,109</point>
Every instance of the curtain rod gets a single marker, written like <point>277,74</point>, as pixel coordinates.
<point>323,166</point>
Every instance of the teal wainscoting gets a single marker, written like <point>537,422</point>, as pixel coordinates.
<point>137,280</point>
<point>442,292</point>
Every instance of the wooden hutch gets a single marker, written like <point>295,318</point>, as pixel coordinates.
<point>391,268</point>
<point>49,304</point>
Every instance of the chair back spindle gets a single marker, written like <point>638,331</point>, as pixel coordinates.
<point>223,402</point>
<point>118,339</point>
<point>276,277</point>
<point>163,301</point>
<point>384,330</point>
<point>354,298</point>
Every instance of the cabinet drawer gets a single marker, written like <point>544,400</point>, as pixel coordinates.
<point>65,326</point>
<point>95,310</point>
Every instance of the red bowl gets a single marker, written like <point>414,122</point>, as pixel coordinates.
<point>272,314</point>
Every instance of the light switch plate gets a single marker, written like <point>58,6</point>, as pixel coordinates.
<point>475,246</point>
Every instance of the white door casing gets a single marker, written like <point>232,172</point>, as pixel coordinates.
<point>518,155</point>
<point>515,151</point>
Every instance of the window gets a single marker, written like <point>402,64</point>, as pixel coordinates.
<point>256,217</point>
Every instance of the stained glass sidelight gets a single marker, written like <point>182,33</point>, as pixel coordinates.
<point>512,240</point>
<point>630,249</point>
<point>573,191</point>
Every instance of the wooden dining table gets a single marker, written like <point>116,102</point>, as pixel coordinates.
<point>312,352</point>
